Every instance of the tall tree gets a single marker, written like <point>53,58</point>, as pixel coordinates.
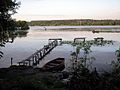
<point>7,8</point>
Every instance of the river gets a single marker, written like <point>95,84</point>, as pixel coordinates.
<point>23,46</point>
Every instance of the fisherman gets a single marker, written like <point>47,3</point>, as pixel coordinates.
<point>45,28</point>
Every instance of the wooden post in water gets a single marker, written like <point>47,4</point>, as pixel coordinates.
<point>29,62</point>
<point>11,61</point>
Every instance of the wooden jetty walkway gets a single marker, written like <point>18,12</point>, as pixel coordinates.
<point>79,39</point>
<point>40,54</point>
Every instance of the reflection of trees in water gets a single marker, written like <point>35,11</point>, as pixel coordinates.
<point>77,59</point>
<point>9,36</point>
<point>81,55</point>
<point>118,54</point>
<point>21,33</point>
<point>116,64</point>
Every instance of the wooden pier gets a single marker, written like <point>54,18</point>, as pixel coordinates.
<point>40,54</point>
<point>99,39</point>
<point>53,39</point>
<point>82,39</point>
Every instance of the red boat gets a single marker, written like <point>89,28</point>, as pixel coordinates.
<point>54,65</point>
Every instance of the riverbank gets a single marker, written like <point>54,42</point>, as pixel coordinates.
<point>29,78</point>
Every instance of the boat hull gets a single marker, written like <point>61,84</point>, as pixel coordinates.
<point>54,65</point>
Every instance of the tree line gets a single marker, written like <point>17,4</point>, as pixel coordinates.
<point>21,25</point>
<point>74,22</point>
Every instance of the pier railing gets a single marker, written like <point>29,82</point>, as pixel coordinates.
<point>35,58</point>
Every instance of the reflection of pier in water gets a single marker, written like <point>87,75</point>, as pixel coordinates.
<point>40,54</point>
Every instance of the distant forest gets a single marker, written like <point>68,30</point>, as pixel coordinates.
<point>80,22</point>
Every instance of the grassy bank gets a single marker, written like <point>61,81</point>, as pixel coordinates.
<point>80,79</point>
<point>27,78</point>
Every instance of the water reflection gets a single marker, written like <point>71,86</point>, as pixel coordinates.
<point>21,48</point>
<point>9,37</point>
<point>118,54</point>
<point>84,60</point>
<point>21,33</point>
<point>85,54</point>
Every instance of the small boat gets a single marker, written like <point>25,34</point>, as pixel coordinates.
<point>94,31</point>
<point>54,65</point>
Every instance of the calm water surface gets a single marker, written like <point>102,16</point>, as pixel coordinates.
<point>37,37</point>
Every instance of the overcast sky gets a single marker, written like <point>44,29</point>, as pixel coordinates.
<point>68,9</point>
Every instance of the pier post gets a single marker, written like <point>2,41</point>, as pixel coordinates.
<point>29,62</point>
<point>11,61</point>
